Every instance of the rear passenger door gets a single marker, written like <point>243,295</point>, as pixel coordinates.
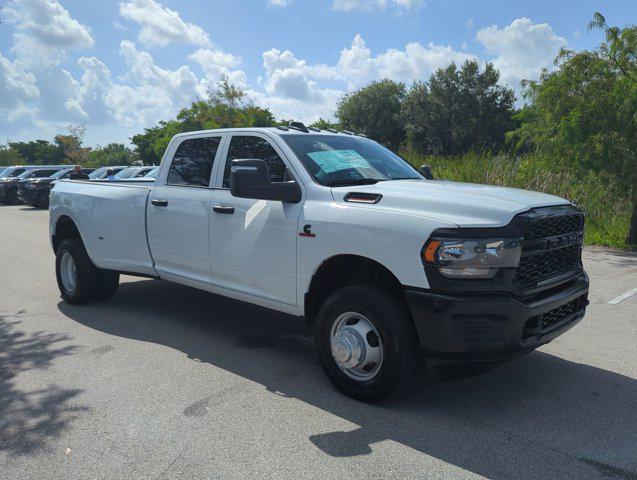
<point>179,211</point>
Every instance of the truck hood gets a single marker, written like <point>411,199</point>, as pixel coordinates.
<point>463,204</point>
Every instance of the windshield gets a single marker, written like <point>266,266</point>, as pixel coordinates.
<point>6,171</point>
<point>102,171</point>
<point>127,173</point>
<point>61,173</point>
<point>153,173</point>
<point>12,172</point>
<point>347,160</point>
<point>99,173</point>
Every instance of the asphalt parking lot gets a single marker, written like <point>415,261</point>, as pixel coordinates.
<point>165,381</point>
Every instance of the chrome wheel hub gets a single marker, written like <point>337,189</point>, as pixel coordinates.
<point>68,272</point>
<point>356,346</point>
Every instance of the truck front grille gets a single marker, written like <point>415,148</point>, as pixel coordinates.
<point>551,248</point>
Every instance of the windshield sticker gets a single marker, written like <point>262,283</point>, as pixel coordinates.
<point>334,160</point>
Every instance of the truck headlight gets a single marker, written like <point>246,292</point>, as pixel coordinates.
<point>472,258</point>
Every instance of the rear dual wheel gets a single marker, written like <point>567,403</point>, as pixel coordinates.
<point>79,280</point>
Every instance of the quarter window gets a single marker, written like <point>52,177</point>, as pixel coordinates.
<point>245,146</point>
<point>192,163</point>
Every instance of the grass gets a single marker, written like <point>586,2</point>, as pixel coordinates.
<point>603,197</point>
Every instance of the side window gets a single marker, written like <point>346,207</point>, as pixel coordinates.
<point>192,163</point>
<point>43,173</point>
<point>244,146</point>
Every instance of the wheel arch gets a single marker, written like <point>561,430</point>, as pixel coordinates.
<point>343,270</point>
<point>65,227</point>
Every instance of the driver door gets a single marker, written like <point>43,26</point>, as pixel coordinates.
<point>253,249</point>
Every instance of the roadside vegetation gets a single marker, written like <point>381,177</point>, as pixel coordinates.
<point>575,135</point>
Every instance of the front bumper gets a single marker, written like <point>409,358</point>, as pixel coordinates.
<point>486,328</point>
<point>29,195</point>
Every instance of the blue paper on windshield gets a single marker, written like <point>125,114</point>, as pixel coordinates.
<point>334,160</point>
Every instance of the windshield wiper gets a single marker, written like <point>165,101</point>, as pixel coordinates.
<point>352,181</point>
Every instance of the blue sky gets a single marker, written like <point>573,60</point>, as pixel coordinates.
<point>120,66</point>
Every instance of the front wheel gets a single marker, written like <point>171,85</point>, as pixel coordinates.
<point>366,342</point>
<point>42,201</point>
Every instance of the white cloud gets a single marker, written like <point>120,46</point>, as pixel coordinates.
<point>160,25</point>
<point>216,63</point>
<point>349,5</point>
<point>357,65</point>
<point>15,85</point>
<point>291,84</point>
<point>45,32</point>
<point>522,49</point>
<point>278,3</point>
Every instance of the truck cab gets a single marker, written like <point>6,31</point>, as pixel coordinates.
<point>384,264</point>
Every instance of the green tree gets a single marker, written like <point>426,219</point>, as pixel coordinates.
<point>225,107</point>
<point>375,111</point>
<point>457,110</point>
<point>111,155</point>
<point>584,113</point>
<point>10,156</point>
<point>37,152</point>
<point>325,124</point>
<point>71,145</point>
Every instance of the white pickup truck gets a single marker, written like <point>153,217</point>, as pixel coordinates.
<point>387,266</point>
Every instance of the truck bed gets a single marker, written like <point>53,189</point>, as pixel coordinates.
<point>111,217</point>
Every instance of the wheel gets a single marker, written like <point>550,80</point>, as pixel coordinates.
<point>77,277</point>
<point>11,198</point>
<point>107,284</point>
<point>42,200</point>
<point>366,342</point>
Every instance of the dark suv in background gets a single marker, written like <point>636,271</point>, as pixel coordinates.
<point>36,191</point>
<point>9,185</point>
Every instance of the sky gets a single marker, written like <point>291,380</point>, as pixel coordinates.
<point>121,66</point>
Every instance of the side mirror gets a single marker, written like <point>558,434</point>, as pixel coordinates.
<point>250,178</point>
<point>425,171</point>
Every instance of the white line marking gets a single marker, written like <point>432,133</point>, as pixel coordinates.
<point>622,297</point>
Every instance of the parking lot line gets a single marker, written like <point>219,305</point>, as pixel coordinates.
<point>622,297</point>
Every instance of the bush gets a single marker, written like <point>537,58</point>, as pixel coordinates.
<point>603,197</point>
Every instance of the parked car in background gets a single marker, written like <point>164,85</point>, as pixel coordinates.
<point>148,178</point>
<point>16,170</point>
<point>9,185</point>
<point>36,191</point>
<point>102,172</point>
<point>134,172</point>
<point>153,173</point>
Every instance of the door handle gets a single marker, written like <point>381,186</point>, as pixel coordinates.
<point>223,209</point>
<point>159,203</point>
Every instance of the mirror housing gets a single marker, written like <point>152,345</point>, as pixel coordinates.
<point>425,171</point>
<point>250,178</point>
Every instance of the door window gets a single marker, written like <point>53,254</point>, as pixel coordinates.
<point>192,163</point>
<point>43,173</point>
<point>246,146</point>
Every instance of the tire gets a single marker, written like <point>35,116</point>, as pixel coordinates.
<point>366,309</point>
<point>78,278</point>
<point>107,285</point>
<point>42,201</point>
